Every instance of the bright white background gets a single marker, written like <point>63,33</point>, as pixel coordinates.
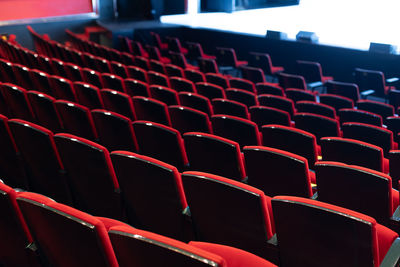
<point>347,23</point>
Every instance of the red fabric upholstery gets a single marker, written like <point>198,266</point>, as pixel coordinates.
<point>385,239</point>
<point>234,257</point>
<point>108,223</point>
<point>171,242</point>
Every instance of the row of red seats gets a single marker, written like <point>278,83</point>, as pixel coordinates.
<point>38,231</point>
<point>230,204</point>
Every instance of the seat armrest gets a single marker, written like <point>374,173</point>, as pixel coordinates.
<point>366,93</point>
<point>393,255</point>
<point>314,85</point>
<point>392,81</point>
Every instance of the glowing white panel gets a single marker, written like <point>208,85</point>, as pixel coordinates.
<point>352,24</point>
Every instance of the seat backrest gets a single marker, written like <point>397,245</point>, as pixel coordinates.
<point>378,136</point>
<point>13,228</point>
<point>256,75</point>
<point>269,89</point>
<point>40,155</point>
<point>299,95</point>
<point>243,84</point>
<point>336,101</point>
<point>186,119</point>
<point>137,247</point>
<point>158,78</point>
<point>266,115</point>
<point>90,175</point>
<point>318,125</point>
<point>157,66</point>
<point>71,237</point>
<point>370,79</point>
<point>118,69</point>
<point>63,88</point>
<point>243,131</point>
<point>291,81</point>
<point>311,71</point>
<point>366,191</point>
<point>349,90</point>
<point>136,88</point>
<point>174,44</point>
<point>40,81</point>
<point>230,107</point>
<point>112,81</point>
<point>178,59</point>
<point>208,65</point>
<point>214,154</point>
<point>182,85</point>
<point>228,208</point>
<point>115,131</point>
<point>137,73</point>
<point>88,95</point>
<point>394,167</point>
<point>277,172</point>
<point>159,201</point>
<point>151,109</point>
<point>292,140</point>
<point>226,56</point>
<point>161,142</point>
<point>20,74</point>
<point>17,101</point>
<point>164,94</point>
<point>382,109</point>
<point>142,63</point>
<point>196,101</point>
<point>356,115</point>
<point>262,61</point>
<point>316,108</point>
<point>92,77</point>
<point>394,98</point>
<point>76,119</point>
<point>326,234</point>
<point>242,96</point>
<point>174,71</point>
<point>352,152</point>
<point>278,102</point>
<point>11,171</point>
<point>210,91</point>
<point>194,75</point>
<point>217,79</point>
<point>45,111</point>
<point>195,50</point>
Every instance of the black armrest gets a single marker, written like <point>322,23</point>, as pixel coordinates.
<point>393,255</point>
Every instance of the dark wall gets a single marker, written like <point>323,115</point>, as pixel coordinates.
<point>336,61</point>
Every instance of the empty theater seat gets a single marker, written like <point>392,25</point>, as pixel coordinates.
<point>328,235</point>
<point>214,154</point>
<point>231,213</point>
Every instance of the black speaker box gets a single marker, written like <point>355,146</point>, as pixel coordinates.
<point>382,48</point>
<point>276,35</point>
<point>307,37</point>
